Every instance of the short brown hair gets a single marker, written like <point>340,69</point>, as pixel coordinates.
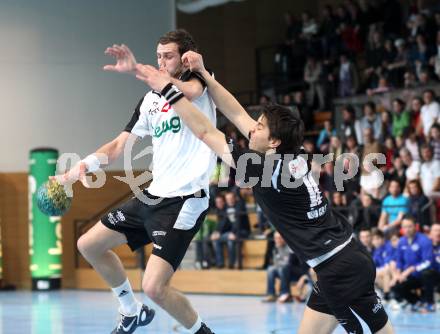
<point>182,38</point>
<point>286,125</point>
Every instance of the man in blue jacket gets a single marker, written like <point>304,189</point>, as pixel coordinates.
<point>414,261</point>
<point>435,237</point>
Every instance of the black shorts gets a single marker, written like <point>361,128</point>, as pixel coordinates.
<point>169,223</point>
<point>346,285</point>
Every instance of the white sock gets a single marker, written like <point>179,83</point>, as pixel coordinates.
<point>196,326</point>
<point>126,298</point>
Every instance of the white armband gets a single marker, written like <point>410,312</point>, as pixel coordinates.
<point>92,162</point>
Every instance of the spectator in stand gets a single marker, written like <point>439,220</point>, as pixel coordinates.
<point>416,120</point>
<point>425,77</point>
<point>398,172</point>
<point>435,238</point>
<point>313,77</point>
<point>364,213</point>
<point>409,80</point>
<point>374,56</point>
<point>371,120</point>
<point>435,141</point>
<point>419,205</point>
<point>420,54</point>
<point>204,252</point>
<point>412,167</point>
<point>327,179</point>
<point>327,31</point>
<point>396,68</point>
<point>414,261</point>
<point>387,125</point>
<point>394,208</point>
<point>412,143</point>
<point>338,203</point>
<point>382,258</point>
<point>366,240</point>
<point>351,145</point>
<point>264,100</point>
<point>325,134</point>
<point>234,227</point>
<point>429,171</point>
<point>348,77</point>
<point>280,269</point>
<point>401,118</point>
<point>336,147</point>
<point>430,112</point>
<point>309,146</point>
<point>390,153</point>
<point>435,59</point>
<point>350,126</point>
<point>305,111</point>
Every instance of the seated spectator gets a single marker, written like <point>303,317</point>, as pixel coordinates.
<point>366,240</point>
<point>416,120</point>
<point>349,125</point>
<point>280,269</point>
<point>412,167</point>
<point>323,141</point>
<point>429,171</point>
<point>371,120</point>
<point>233,227</point>
<point>430,112</point>
<point>398,172</point>
<point>300,277</point>
<point>401,118</point>
<point>435,59</point>
<point>335,147</point>
<point>435,238</point>
<point>419,205</point>
<point>327,179</point>
<point>364,213</point>
<point>387,125</point>
<point>412,143</point>
<point>351,146</point>
<point>204,252</point>
<point>382,256</point>
<point>435,141</point>
<point>305,111</point>
<point>390,152</point>
<point>394,208</point>
<point>414,261</point>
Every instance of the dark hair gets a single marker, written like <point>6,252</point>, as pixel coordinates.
<point>410,218</point>
<point>378,233</point>
<point>285,125</point>
<point>400,102</point>
<point>349,108</point>
<point>370,104</point>
<point>182,38</point>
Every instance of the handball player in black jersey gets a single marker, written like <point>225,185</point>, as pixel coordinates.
<point>280,174</point>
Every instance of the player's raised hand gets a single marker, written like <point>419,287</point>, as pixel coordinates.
<point>125,60</point>
<point>156,79</point>
<point>194,61</point>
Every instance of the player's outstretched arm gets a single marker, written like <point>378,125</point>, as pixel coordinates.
<point>104,156</point>
<point>199,124</point>
<point>224,100</point>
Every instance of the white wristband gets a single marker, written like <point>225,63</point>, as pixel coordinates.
<point>92,162</point>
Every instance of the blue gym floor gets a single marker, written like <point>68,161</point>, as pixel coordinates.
<point>81,312</point>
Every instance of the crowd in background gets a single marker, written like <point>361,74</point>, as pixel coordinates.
<point>360,47</point>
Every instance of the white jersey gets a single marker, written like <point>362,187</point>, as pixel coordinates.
<point>182,164</point>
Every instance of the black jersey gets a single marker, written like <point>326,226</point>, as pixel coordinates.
<point>284,187</point>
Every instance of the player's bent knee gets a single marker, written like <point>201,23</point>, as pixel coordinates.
<point>156,292</point>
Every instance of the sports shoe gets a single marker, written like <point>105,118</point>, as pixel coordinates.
<point>128,324</point>
<point>204,330</point>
